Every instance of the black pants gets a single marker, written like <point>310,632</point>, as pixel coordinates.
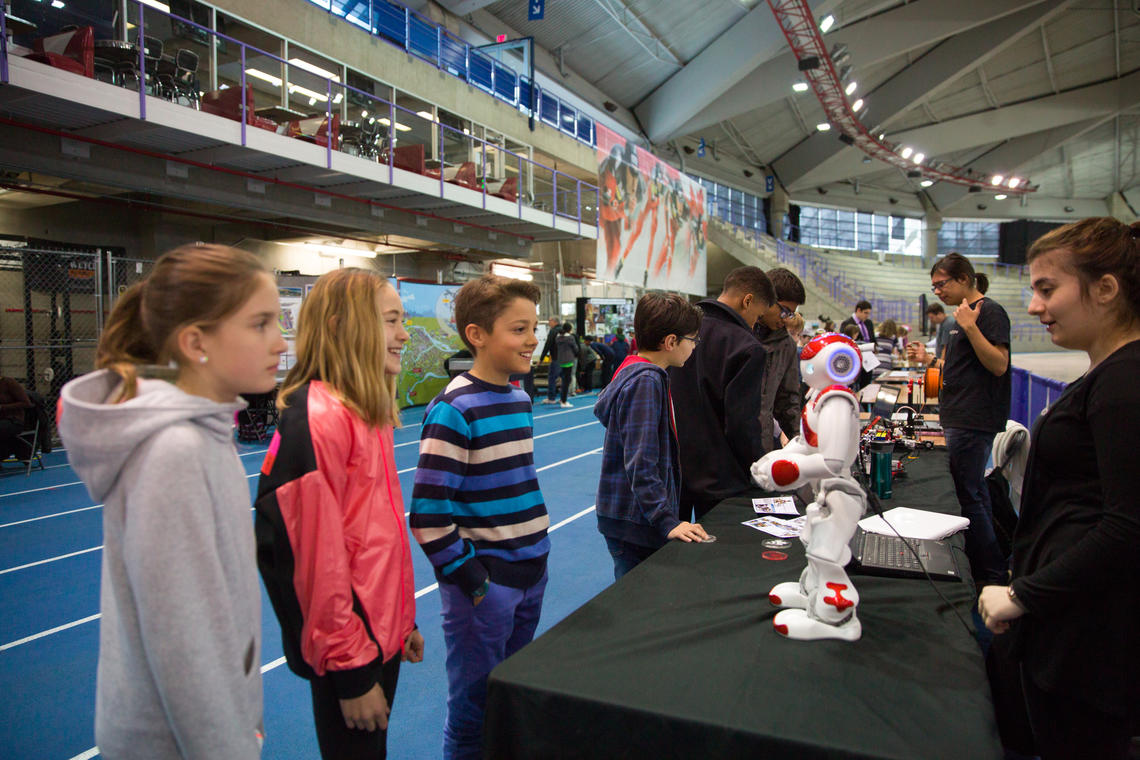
<point>567,374</point>
<point>338,741</point>
<point>587,381</point>
<point>1066,729</point>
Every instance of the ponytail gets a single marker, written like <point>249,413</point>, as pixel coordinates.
<point>195,284</point>
<point>981,282</point>
<point>124,345</point>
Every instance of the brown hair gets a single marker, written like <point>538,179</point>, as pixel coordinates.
<point>745,280</point>
<point>888,328</point>
<point>191,285</point>
<point>341,342</point>
<point>1098,246</point>
<point>788,286</point>
<point>956,266</point>
<point>481,301</point>
<point>660,315</point>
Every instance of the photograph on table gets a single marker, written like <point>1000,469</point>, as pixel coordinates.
<point>654,225</point>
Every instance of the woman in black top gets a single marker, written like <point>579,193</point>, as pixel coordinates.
<point>1072,609</point>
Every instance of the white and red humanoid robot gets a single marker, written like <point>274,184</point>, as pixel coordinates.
<point>822,604</point>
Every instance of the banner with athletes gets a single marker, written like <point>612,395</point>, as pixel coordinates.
<point>653,220</point>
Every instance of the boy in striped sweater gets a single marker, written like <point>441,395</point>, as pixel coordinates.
<point>477,510</point>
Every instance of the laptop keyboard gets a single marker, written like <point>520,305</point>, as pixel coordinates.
<point>890,552</point>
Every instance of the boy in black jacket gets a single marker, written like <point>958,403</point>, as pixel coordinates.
<point>717,394</point>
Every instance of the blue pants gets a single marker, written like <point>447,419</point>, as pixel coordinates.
<point>969,452</point>
<point>477,639</point>
<point>626,556</point>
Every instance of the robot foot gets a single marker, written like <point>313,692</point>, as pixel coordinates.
<point>795,624</point>
<point>788,595</point>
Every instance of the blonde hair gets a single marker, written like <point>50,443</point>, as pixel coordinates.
<point>191,285</point>
<point>341,342</point>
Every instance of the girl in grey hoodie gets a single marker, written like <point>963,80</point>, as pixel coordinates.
<point>180,637</point>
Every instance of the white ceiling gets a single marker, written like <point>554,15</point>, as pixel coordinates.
<point>1040,88</point>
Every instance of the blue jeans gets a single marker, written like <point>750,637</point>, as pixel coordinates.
<point>477,639</point>
<point>969,453</point>
<point>626,556</point>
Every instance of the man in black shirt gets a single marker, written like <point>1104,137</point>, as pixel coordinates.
<point>974,402</point>
<point>717,394</point>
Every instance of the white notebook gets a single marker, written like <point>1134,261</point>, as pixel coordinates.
<point>914,523</point>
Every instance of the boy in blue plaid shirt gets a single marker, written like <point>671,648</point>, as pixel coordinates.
<point>638,501</point>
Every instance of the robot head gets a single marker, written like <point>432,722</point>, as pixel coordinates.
<point>830,359</point>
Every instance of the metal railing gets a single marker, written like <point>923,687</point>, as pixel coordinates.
<point>1031,394</point>
<point>449,154</point>
<point>417,35</point>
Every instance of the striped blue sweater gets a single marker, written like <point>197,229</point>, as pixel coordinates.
<point>477,511</point>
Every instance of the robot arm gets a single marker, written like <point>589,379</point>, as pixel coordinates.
<point>799,463</point>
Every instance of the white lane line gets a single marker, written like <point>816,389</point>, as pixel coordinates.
<point>572,518</point>
<point>52,559</point>
<point>44,488</point>
<point>567,430</point>
<point>45,517</point>
<point>93,752</point>
<point>49,632</point>
<point>571,459</point>
<point>271,665</point>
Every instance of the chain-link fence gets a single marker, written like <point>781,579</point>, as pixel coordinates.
<point>55,301</point>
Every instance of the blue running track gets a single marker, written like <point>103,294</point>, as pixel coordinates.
<point>50,556</point>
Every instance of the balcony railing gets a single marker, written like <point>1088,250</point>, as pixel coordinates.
<point>376,130</point>
<point>402,27</point>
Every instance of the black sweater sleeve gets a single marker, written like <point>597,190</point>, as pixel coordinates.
<point>1108,553</point>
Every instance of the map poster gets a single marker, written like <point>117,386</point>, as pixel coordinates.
<point>653,220</point>
<point>430,321</point>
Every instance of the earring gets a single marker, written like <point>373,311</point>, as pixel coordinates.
<point>203,359</point>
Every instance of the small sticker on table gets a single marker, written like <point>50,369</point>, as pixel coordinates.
<point>776,556</point>
<point>775,543</point>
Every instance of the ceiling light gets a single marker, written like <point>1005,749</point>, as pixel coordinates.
<point>314,69</point>
<point>426,115</point>
<point>515,273</point>
<point>823,127</point>
<point>997,179</point>
<point>1000,197</point>
<point>800,87</point>
<point>338,97</point>
<point>844,72</point>
<point>918,157</point>
<point>399,127</point>
<point>56,3</point>
<point>155,4</point>
<point>259,74</point>
<point>827,23</point>
<point>926,183</point>
<point>882,136</point>
<point>304,91</point>
<point>851,87</point>
<point>364,114</point>
<point>857,106</point>
<point>1014,182</point>
<point>906,152</point>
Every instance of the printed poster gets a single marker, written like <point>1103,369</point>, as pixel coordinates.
<point>430,321</point>
<point>653,220</point>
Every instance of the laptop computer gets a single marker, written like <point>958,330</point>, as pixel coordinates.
<point>885,401</point>
<point>874,554</point>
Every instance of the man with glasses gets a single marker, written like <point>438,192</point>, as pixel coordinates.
<point>780,399</point>
<point>717,394</point>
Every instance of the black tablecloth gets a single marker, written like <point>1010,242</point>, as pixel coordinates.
<point>679,660</point>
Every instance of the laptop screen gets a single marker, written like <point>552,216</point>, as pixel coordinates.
<point>885,401</point>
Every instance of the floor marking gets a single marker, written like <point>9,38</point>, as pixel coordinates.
<point>49,631</point>
<point>51,559</point>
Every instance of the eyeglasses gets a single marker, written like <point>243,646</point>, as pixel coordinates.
<point>937,285</point>
<point>696,340</point>
<point>785,312</point>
